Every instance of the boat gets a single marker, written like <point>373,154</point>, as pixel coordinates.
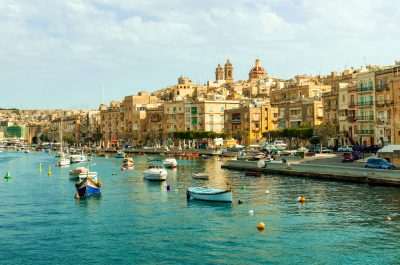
<point>252,174</point>
<point>155,173</point>
<point>78,158</point>
<point>200,175</point>
<point>64,161</point>
<point>87,185</point>
<point>120,154</point>
<point>128,163</point>
<point>26,151</point>
<point>8,175</point>
<point>74,173</point>
<point>205,194</point>
<point>280,145</point>
<point>170,162</point>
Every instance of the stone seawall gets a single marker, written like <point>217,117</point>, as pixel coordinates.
<point>360,175</point>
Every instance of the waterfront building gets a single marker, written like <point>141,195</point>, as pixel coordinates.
<point>249,121</point>
<point>154,131</point>
<point>91,127</point>
<point>365,108</point>
<point>70,127</point>
<point>207,115</point>
<point>386,105</point>
<point>343,124</point>
<point>299,101</point>
<point>174,116</point>
<point>134,115</point>
<point>112,124</point>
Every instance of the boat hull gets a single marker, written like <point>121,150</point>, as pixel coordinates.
<point>222,196</point>
<point>87,187</point>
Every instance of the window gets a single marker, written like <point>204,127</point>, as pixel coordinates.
<point>343,98</point>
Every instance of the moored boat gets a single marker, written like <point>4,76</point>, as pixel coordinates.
<point>200,176</point>
<point>120,154</point>
<point>155,173</point>
<point>74,173</point>
<point>128,163</point>
<point>78,158</point>
<point>205,194</point>
<point>64,161</point>
<point>87,185</point>
<point>170,162</point>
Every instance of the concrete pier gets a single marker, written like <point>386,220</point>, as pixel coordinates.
<point>359,175</point>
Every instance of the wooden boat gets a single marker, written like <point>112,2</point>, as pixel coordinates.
<point>87,185</point>
<point>205,194</point>
<point>252,174</point>
<point>74,173</point>
<point>170,162</point>
<point>155,173</point>
<point>200,176</point>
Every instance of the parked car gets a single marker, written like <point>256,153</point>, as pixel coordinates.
<point>325,150</point>
<point>379,163</point>
<point>347,157</point>
<point>345,148</point>
<point>356,155</point>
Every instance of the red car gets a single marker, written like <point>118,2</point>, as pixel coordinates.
<point>347,157</point>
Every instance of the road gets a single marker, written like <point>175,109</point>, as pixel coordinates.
<point>337,161</point>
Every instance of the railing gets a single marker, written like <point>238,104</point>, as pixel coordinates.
<point>380,88</point>
<point>365,118</point>
<point>352,104</point>
<point>235,120</point>
<point>365,103</point>
<point>365,89</point>
<point>383,121</point>
<point>365,131</point>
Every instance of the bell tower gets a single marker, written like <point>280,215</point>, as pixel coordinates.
<point>219,73</point>
<point>228,69</point>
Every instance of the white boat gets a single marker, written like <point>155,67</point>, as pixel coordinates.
<point>205,194</point>
<point>280,145</point>
<point>128,163</point>
<point>200,176</point>
<point>120,154</point>
<point>170,162</point>
<point>64,161</point>
<point>155,173</point>
<point>74,173</point>
<point>78,158</point>
<point>26,151</point>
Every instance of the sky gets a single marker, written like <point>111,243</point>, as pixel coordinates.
<point>64,54</point>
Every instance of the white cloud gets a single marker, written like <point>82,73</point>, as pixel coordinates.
<point>77,46</point>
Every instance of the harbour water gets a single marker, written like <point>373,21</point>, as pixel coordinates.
<point>139,222</point>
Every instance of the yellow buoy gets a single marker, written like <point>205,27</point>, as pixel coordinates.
<point>40,167</point>
<point>49,171</point>
<point>301,199</point>
<point>260,226</point>
<point>388,218</point>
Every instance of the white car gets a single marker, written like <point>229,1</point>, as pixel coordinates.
<point>345,148</point>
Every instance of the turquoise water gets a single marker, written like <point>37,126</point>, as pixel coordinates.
<point>140,222</point>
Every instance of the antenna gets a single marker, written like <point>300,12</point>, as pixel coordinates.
<point>102,95</point>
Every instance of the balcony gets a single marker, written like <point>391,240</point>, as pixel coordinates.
<point>365,118</point>
<point>382,87</point>
<point>256,129</point>
<point>345,133</point>
<point>365,132</point>
<point>297,116</point>
<point>235,120</point>
<point>383,121</point>
<point>365,103</point>
<point>352,118</point>
<point>352,104</point>
<point>365,89</point>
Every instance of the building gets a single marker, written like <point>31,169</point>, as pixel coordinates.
<point>154,132</point>
<point>257,72</point>
<point>386,105</point>
<point>174,116</point>
<point>207,115</point>
<point>228,71</point>
<point>134,115</point>
<point>112,125</point>
<point>249,121</point>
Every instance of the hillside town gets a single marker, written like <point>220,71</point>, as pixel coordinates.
<point>361,104</point>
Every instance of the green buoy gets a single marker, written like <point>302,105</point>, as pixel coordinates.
<point>8,175</point>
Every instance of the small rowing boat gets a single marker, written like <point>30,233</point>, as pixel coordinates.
<point>205,194</point>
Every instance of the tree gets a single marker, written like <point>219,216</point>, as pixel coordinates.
<point>69,138</point>
<point>324,132</point>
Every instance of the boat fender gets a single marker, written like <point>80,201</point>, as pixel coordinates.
<point>168,187</point>
<point>122,169</point>
<point>301,199</point>
<point>260,226</point>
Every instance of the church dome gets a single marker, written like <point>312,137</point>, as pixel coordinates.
<point>257,70</point>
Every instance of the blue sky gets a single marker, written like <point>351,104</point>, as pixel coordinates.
<point>60,54</point>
